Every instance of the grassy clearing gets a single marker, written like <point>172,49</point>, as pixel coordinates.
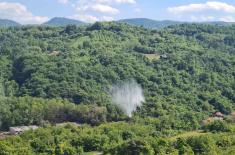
<point>79,41</point>
<point>93,153</point>
<point>152,57</point>
<point>188,134</point>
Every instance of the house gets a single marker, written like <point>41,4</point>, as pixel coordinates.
<point>218,114</point>
<point>215,117</point>
<point>233,116</point>
<point>21,129</point>
<point>164,56</point>
<point>54,53</point>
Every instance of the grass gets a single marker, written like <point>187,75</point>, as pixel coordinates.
<point>188,134</point>
<point>92,153</point>
<point>152,57</point>
<point>229,151</point>
<point>79,41</point>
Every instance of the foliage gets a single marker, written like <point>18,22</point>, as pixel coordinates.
<point>35,111</point>
<point>64,74</point>
<point>217,126</point>
<point>108,138</point>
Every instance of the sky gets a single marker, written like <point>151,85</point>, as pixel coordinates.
<point>40,11</point>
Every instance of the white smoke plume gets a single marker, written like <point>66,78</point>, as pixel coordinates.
<point>128,96</point>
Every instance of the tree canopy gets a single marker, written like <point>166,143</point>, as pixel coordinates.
<point>64,74</point>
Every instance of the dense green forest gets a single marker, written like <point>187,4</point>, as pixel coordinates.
<point>51,75</point>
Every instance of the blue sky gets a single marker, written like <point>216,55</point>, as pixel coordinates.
<point>39,11</point>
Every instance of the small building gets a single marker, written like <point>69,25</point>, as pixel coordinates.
<point>54,53</point>
<point>218,114</point>
<point>21,129</point>
<point>164,56</point>
<point>233,114</point>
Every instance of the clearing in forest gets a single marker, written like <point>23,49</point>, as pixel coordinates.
<point>189,134</point>
<point>152,57</point>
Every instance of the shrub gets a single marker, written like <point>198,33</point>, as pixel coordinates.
<point>133,147</point>
<point>217,126</point>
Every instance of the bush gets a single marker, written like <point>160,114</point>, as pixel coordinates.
<point>217,126</point>
<point>202,145</point>
<point>183,148</point>
<point>133,147</point>
<point>224,142</point>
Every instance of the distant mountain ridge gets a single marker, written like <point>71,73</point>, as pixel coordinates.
<point>8,23</point>
<point>60,21</point>
<point>144,22</point>
<point>150,23</point>
<point>154,24</point>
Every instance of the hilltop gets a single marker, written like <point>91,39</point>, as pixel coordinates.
<point>59,21</point>
<point>8,23</point>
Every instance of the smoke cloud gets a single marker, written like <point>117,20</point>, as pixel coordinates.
<point>128,96</point>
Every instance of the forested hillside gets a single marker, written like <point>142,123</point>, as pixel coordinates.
<point>59,21</point>
<point>8,23</point>
<point>51,75</point>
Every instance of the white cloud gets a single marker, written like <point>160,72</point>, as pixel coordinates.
<point>98,10</point>
<point>227,19</point>
<point>97,7</point>
<point>210,5</point>
<point>63,1</point>
<point>104,9</point>
<point>86,18</point>
<point>125,1</point>
<point>19,13</point>
<point>208,11</point>
<point>202,18</point>
<point>116,1</point>
<point>107,18</point>
<point>90,18</point>
<point>137,10</point>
